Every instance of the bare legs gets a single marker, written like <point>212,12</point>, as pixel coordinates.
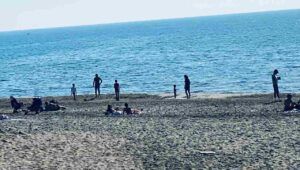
<point>188,93</point>
<point>97,91</point>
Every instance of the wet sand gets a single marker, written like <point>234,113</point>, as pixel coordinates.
<point>216,131</point>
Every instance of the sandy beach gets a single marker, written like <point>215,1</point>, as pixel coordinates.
<point>219,131</point>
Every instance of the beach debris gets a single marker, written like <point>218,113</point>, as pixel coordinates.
<point>207,152</point>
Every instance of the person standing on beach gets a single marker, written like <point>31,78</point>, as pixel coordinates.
<point>96,84</point>
<point>117,90</point>
<point>175,91</point>
<point>187,85</point>
<point>73,91</point>
<point>275,79</point>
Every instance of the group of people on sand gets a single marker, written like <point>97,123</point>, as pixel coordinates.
<point>52,105</point>
<point>36,105</point>
<point>289,105</point>
<point>98,81</point>
<point>126,111</point>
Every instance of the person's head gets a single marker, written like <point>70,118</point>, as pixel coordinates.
<point>73,85</point>
<point>117,109</point>
<point>109,107</point>
<point>186,77</point>
<point>96,75</point>
<point>116,81</point>
<point>289,96</point>
<point>275,71</point>
<point>174,85</point>
<point>11,97</point>
<point>126,105</point>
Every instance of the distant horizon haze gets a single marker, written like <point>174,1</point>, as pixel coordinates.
<point>34,14</point>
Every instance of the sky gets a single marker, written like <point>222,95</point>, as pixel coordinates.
<point>32,14</point>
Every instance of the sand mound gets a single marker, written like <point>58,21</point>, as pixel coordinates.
<point>64,151</point>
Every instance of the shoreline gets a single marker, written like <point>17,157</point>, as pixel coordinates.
<point>163,95</point>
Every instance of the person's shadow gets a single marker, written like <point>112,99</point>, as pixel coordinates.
<point>89,99</point>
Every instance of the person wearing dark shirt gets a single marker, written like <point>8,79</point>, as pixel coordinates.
<point>275,79</point>
<point>97,82</point>
<point>109,110</point>
<point>36,105</point>
<point>187,84</point>
<point>127,109</point>
<point>15,104</point>
<point>288,103</point>
<point>174,91</point>
<point>117,90</point>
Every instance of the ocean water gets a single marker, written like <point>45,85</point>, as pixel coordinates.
<point>223,54</point>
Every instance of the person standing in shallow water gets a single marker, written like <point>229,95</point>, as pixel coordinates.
<point>187,86</point>
<point>96,84</point>
<point>275,79</point>
<point>117,90</point>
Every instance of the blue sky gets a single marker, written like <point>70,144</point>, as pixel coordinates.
<point>29,14</point>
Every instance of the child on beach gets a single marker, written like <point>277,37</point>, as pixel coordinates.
<point>275,79</point>
<point>73,91</point>
<point>175,91</point>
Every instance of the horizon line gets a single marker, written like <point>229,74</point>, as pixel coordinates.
<point>148,20</point>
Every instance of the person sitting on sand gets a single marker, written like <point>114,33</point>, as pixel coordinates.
<point>51,106</point>
<point>36,105</point>
<point>130,111</point>
<point>127,109</point>
<point>15,104</point>
<point>289,104</point>
<point>111,111</point>
<point>3,117</point>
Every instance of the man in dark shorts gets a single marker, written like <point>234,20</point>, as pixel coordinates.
<point>117,90</point>
<point>275,79</point>
<point>187,84</point>
<point>97,82</point>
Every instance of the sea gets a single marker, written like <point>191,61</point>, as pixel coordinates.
<point>221,54</point>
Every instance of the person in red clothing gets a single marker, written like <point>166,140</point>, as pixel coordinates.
<point>117,90</point>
